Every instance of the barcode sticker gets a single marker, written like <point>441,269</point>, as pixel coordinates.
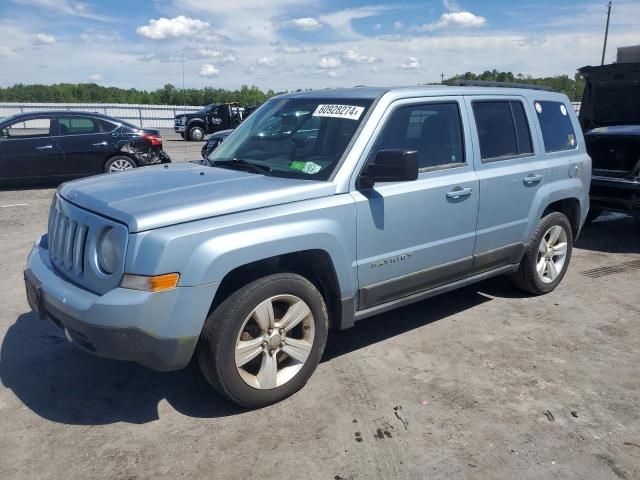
<point>350,112</point>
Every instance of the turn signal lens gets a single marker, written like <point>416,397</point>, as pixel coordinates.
<point>156,283</point>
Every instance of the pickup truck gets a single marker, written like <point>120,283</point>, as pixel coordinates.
<point>610,118</point>
<point>212,118</point>
<point>350,203</point>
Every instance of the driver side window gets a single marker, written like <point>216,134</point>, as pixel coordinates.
<point>31,128</point>
<point>434,130</point>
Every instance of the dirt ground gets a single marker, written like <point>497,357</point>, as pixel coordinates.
<point>481,383</point>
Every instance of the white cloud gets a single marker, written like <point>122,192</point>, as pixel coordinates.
<point>341,21</point>
<point>282,47</point>
<point>333,74</point>
<point>44,39</point>
<point>176,27</point>
<point>412,63</point>
<point>398,25</point>
<point>96,77</point>
<point>209,71</point>
<point>64,7</point>
<point>377,26</point>
<point>307,24</point>
<point>451,5</point>
<point>329,62</point>
<point>352,56</point>
<point>266,62</point>
<point>454,20</point>
<point>221,56</point>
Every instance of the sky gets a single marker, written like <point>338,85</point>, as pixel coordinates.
<point>291,44</point>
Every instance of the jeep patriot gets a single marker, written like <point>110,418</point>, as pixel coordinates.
<point>320,210</point>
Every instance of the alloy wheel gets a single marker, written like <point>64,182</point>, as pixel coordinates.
<point>274,342</point>
<point>120,165</point>
<point>552,254</point>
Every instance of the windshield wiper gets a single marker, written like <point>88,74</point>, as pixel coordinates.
<point>242,164</point>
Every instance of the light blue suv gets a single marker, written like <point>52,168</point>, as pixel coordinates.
<point>322,209</point>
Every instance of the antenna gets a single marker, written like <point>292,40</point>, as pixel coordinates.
<point>606,32</point>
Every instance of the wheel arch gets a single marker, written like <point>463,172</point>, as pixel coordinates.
<point>569,207</point>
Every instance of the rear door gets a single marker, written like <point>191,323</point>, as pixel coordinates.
<point>417,235</point>
<point>86,143</point>
<point>28,149</point>
<point>511,171</point>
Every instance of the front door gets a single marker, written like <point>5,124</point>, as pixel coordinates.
<point>27,150</point>
<point>414,236</point>
<point>511,172</point>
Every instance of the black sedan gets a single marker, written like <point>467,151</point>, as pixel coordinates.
<point>63,145</point>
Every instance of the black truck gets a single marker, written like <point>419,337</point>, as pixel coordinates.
<point>194,126</point>
<point>610,118</point>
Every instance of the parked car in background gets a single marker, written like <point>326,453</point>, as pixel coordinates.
<point>213,141</point>
<point>610,118</point>
<point>324,208</point>
<point>60,145</point>
<point>213,118</point>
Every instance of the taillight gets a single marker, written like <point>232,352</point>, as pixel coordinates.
<point>154,140</point>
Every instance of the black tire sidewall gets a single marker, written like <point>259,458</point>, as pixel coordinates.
<point>107,165</point>
<point>546,223</point>
<point>217,354</point>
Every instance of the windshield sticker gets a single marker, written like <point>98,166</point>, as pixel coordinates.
<point>309,168</point>
<point>350,112</point>
<point>538,107</point>
<point>563,110</point>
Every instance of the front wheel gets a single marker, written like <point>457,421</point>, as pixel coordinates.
<point>262,343</point>
<point>547,257</point>
<point>119,164</point>
<point>196,134</point>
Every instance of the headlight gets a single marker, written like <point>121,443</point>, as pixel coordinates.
<point>109,251</point>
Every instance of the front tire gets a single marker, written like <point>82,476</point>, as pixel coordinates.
<point>119,163</point>
<point>262,343</point>
<point>196,134</point>
<point>547,257</point>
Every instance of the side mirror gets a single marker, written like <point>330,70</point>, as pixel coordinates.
<point>4,133</point>
<point>391,165</point>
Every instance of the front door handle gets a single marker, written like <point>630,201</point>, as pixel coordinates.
<point>459,192</point>
<point>45,147</point>
<point>100,144</point>
<point>532,179</point>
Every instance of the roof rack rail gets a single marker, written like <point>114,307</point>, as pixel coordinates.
<point>487,83</point>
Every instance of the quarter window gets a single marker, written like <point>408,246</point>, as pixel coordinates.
<point>77,125</point>
<point>556,126</point>
<point>503,129</point>
<point>32,128</point>
<point>434,130</point>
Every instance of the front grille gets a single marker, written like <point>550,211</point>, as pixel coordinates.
<point>67,239</point>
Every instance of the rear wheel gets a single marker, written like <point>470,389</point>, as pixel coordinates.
<point>262,343</point>
<point>196,134</point>
<point>547,257</point>
<point>119,164</point>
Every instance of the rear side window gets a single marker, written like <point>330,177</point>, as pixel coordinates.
<point>503,129</point>
<point>556,126</point>
<point>77,125</point>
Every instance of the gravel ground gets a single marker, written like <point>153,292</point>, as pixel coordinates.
<point>484,382</point>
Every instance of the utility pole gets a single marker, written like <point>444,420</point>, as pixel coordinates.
<point>606,32</point>
<point>442,78</point>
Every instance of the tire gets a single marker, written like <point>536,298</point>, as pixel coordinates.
<point>119,163</point>
<point>593,214</point>
<point>528,276</point>
<point>196,134</point>
<point>235,320</point>
<point>184,137</point>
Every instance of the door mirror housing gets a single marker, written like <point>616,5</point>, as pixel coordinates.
<point>4,133</point>
<point>390,165</point>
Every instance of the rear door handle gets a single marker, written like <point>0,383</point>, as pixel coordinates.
<point>45,147</point>
<point>459,192</point>
<point>532,179</point>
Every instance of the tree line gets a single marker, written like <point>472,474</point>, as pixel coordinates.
<point>246,95</point>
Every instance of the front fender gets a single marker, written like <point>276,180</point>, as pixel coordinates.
<point>205,251</point>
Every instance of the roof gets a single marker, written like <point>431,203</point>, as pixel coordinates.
<point>371,93</point>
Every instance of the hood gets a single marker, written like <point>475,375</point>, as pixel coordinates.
<point>158,196</point>
<point>615,131</point>
<point>611,95</point>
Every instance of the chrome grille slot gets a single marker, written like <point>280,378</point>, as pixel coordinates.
<point>67,238</point>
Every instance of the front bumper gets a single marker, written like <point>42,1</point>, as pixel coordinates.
<point>180,128</point>
<point>615,194</point>
<point>158,330</point>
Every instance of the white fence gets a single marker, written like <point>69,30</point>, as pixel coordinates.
<point>149,116</point>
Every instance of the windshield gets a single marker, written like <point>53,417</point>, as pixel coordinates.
<point>294,137</point>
